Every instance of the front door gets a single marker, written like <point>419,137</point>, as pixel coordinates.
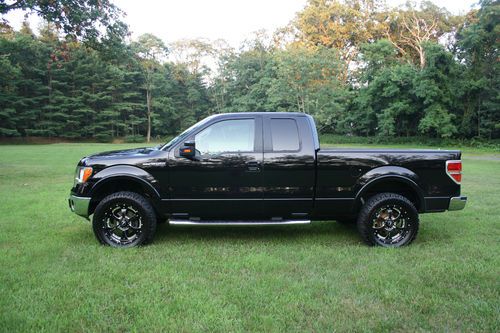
<point>224,180</point>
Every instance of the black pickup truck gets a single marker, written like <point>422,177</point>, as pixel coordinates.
<point>263,169</point>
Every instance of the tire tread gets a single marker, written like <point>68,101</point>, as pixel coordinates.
<point>364,215</point>
<point>139,200</point>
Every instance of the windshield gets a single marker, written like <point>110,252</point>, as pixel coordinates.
<point>186,133</point>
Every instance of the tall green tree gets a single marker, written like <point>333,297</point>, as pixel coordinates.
<point>8,94</point>
<point>89,20</point>
<point>479,50</point>
<point>28,57</point>
<point>435,87</point>
<point>341,25</point>
<point>150,50</point>
<point>245,78</point>
<point>386,102</point>
<point>410,27</point>
<point>310,81</point>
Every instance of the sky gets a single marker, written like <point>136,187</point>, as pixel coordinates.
<point>232,20</point>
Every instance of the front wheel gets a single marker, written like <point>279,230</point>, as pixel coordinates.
<point>389,220</point>
<point>124,219</point>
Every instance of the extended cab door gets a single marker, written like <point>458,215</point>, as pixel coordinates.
<point>224,180</point>
<point>289,166</point>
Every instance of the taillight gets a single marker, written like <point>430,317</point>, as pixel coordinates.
<point>454,170</point>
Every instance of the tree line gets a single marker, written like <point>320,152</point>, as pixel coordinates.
<point>358,66</point>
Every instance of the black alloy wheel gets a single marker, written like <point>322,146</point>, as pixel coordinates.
<point>124,219</point>
<point>389,220</point>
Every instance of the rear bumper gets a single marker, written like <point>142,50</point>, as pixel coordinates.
<point>79,205</point>
<point>457,203</point>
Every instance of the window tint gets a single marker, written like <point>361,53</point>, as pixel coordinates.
<point>285,134</point>
<point>227,136</point>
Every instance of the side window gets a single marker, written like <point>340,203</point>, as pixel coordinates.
<point>285,135</point>
<point>227,136</point>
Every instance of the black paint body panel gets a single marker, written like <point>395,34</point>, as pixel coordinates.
<point>308,182</point>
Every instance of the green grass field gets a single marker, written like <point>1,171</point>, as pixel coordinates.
<point>55,277</point>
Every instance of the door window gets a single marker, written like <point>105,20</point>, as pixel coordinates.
<point>236,135</point>
<point>285,135</point>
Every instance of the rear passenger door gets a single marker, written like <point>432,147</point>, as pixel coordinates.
<point>288,166</point>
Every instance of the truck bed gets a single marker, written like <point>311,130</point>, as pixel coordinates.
<point>343,172</point>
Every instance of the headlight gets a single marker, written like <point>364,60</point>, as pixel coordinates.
<point>82,174</point>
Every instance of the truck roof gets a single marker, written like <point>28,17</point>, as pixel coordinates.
<point>242,114</point>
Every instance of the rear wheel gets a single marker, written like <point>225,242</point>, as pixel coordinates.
<point>389,220</point>
<point>124,219</point>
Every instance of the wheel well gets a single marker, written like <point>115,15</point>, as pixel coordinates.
<point>393,186</point>
<point>117,185</point>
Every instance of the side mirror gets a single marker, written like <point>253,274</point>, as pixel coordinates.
<point>188,150</point>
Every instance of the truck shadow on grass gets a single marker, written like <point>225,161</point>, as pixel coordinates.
<point>319,231</point>
<point>330,233</point>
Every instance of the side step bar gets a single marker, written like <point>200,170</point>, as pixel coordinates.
<point>236,223</point>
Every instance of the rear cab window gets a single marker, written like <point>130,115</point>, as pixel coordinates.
<point>284,135</point>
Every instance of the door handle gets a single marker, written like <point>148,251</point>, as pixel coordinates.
<point>253,166</point>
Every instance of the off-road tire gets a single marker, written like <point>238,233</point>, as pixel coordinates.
<point>372,205</point>
<point>142,207</point>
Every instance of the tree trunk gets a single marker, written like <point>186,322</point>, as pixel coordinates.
<point>148,103</point>
<point>421,54</point>
<point>479,117</point>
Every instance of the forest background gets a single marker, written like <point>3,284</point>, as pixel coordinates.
<point>359,67</point>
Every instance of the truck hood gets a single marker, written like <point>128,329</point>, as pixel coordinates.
<point>135,156</point>
<point>129,153</point>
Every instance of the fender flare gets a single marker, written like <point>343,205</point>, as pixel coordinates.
<point>130,173</point>
<point>389,173</point>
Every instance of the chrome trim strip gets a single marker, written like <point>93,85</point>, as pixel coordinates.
<point>236,223</point>
<point>457,203</point>
<point>154,164</point>
<point>79,205</point>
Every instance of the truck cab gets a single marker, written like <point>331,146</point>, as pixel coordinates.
<point>244,166</point>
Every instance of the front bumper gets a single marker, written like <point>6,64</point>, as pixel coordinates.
<point>79,205</point>
<point>457,203</point>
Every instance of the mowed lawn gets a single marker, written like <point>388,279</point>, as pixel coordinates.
<point>55,277</point>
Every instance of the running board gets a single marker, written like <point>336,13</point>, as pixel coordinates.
<point>236,223</point>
